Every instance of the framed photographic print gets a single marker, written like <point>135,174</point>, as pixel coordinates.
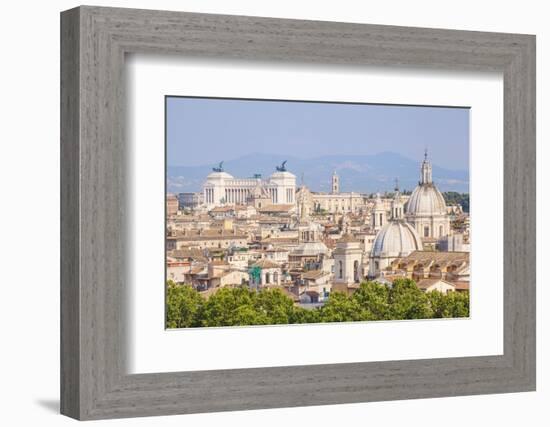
<point>286,213</point>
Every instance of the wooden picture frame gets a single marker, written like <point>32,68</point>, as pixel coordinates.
<point>94,41</point>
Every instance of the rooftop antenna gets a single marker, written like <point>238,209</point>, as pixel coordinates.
<point>425,153</point>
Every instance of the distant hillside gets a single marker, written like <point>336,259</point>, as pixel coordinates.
<point>362,173</point>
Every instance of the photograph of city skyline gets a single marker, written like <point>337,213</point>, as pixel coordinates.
<point>298,212</point>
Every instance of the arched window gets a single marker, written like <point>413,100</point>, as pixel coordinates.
<point>356,271</point>
<point>426,231</point>
<point>340,270</point>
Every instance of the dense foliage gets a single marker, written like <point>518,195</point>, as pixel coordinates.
<point>185,307</point>
<point>454,198</point>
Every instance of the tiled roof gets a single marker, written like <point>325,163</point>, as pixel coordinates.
<point>285,290</point>
<point>276,208</point>
<point>210,234</point>
<point>434,257</point>
<point>314,274</point>
<point>265,263</point>
<point>426,283</point>
<point>347,238</point>
<point>461,285</point>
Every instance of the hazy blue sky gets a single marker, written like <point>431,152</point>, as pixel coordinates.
<point>206,131</point>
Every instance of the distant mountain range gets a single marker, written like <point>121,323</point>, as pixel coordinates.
<point>359,173</point>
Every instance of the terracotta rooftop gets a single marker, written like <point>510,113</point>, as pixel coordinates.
<point>426,283</point>
<point>434,256</point>
<point>285,290</point>
<point>276,208</point>
<point>265,263</point>
<point>222,209</point>
<point>314,274</point>
<point>461,285</point>
<point>209,234</point>
<point>186,253</point>
<point>346,238</point>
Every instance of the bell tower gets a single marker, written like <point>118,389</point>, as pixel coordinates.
<point>397,204</point>
<point>335,183</point>
<point>378,217</point>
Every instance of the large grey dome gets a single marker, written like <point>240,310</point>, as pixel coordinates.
<point>426,200</point>
<point>397,238</point>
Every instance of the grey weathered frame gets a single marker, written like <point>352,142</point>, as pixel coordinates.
<point>94,41</point>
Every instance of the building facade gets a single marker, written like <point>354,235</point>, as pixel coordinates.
<point>172,205</point>
<point>190,200</point>
<point>222,188</point>
<point>339,202</point>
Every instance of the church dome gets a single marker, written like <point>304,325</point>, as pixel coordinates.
<point>426,200</point>
<point>396,238</point>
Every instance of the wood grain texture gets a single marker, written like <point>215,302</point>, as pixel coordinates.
<point>94,382</point>
<point>70,259</point>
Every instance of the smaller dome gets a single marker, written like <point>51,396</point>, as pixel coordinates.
<point>395,239</point>
<point>426,200</point>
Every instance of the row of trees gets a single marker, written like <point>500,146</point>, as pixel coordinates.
<point>186,308</point>
<point>454,198</point>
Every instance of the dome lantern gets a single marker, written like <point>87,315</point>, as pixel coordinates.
<point>426,170</point>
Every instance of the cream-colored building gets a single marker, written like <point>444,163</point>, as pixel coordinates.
<point>229,278</point>
<point>334,202</point>
<point>270,273</point>
<point>339,203</point>
<point>206,239</point>
<point>176,270</point>
<point>172,205</point>
<point>440,285</point>
<point>222,188</point>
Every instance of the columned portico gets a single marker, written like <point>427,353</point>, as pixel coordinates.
<point>222,188</point>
